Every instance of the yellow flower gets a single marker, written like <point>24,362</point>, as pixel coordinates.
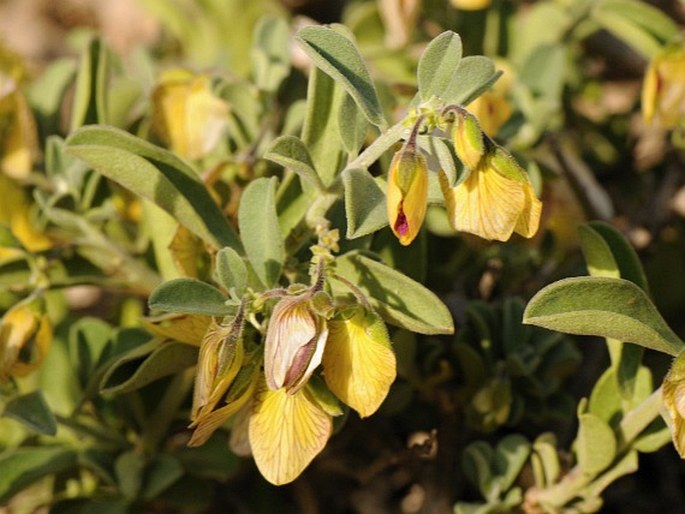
<point>359,364</point>
<point>495,200</point>
<point>673,394</point>
<point>294,343</point>
<point>25,338</point>
<point>469,142</point>
<point>187,115</point>
<point>286,431</point>
<point>663,90</point>
<point>492,108</point>
<point>471,5</point>
<point>407,195</point>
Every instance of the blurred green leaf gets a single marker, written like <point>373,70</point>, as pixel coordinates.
<point>595,444</point>
<point>259,230</point>
<point>191,296</point>
<point>270,53</point>
<point>129,472</point>
<point>212,460</point>
<point>146,364</point>
<point>398,299</point>
<point>161,473</point>
<point>352,125</point>
<point>231,271</point>
<point>625,29</point>
<point>157,175</point>
<point>32,411</point>
<point>88,337</point>
<point>364,203</point>
<point>476,462</point>
<point>474,75</point>
<point>604,307</point>
<point>511,454</point>
<point>439,64</point>
<point>20,467</point>
<point>90,97</point>
<point>338,56</point>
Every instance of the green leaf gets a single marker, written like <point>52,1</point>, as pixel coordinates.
<point>231,271</point>
<point>628,31</point>
<point>352,125</point>
<point>510,456</point>
<point>337,55</point>
<point>605,307</point>
<point>212,460</point>
<point>398,299</point>
<point>545,460</point>
<point>21,467</point>
<point>90,101</point>
<point>365,207</point>
<point>155,174</point>
<point>321,132</point>
<point>646,16</point>
<point>438,65</point>
<point>291,153</point>
<point>32,411</point>
<point>191,296</point>
<point>270,53</point>
<point>259,230</point>
<point>146,364</point>
<point>605,250</point>
<point>544,71</point>
<point>88,337</point>
<point>595,444</point>
<point>474,75</point>
<point>476,463</point>
<point>129,471</point>
<point>161,474</point>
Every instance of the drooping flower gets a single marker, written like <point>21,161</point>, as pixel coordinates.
<point>25,338</point>
<point>673,393</point>
<point>295,341</point>
<point>407,195</point>
<point>359,364</point>
<point>186,113</point>
<point>663,90</point>
<point>494,200</point>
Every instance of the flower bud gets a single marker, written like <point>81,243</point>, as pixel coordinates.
<point>663,90</point>
<point>407,195</point>
<point>294,343</point>
<point>673,393</point>
<point>469,143</point>
<point>25,338</point>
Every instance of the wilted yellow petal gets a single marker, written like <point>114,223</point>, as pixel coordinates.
<point>359,364</point>
<point>286,432</point>
<point>25,338</point>
<point>15,213</point>
<point>407,195</point>
<point>185,328</point>
<point>486,204</point>
<point>663,90</point>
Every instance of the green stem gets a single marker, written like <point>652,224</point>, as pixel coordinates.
<point>635,421</point>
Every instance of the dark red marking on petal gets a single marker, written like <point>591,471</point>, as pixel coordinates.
<point>401,224</point>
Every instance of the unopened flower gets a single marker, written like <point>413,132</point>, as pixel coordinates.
<point>673,393</point>
<point>407,195</point>
<point>359,364</point>
<point>25,338</point>
<point>186,113</point>
<point>469,141</point>
<point>663,90</point>
<point>495,200</point>
<point>294,343</point>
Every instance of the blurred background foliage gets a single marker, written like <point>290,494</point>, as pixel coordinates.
<point>567,105</point>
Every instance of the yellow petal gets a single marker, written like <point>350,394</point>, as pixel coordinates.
<point>20,143</point>
<point>407,195</point>
<point>529,220</point>
<point>15,213</point>
<point>286,432</point>
<point>25,338</point>
<point>486,204</point>
<point>650,88</point>
<point>359,364</point>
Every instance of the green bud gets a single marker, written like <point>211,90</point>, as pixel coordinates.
<point>503,163</point>
<point>469,142</point>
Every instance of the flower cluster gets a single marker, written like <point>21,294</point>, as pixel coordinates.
<point>493,199</point>
<point>283,416</point>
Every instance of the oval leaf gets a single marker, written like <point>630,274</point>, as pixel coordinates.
<point>605,307</point>
<point>595,444</point>
<point>364,203</point>
<point>438,64</point>
<point>259,230</point>
<point>155,174</point>
<point>291,153</point>
<point>190,296</point>
<point>231,271</point>
<point>474,75</point>
<point>337,55</point>
<point>398,299</point>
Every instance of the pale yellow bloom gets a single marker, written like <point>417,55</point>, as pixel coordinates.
<point>407,195</point>
<point>471,5</point>
<point>294,345</point>
<point>495,200</point>
<point>663,90</point>
<point>673,393</point>
<point>359,364</point>
<point>187,115</point>
<point>286,432</point>
<point>25,338</point>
